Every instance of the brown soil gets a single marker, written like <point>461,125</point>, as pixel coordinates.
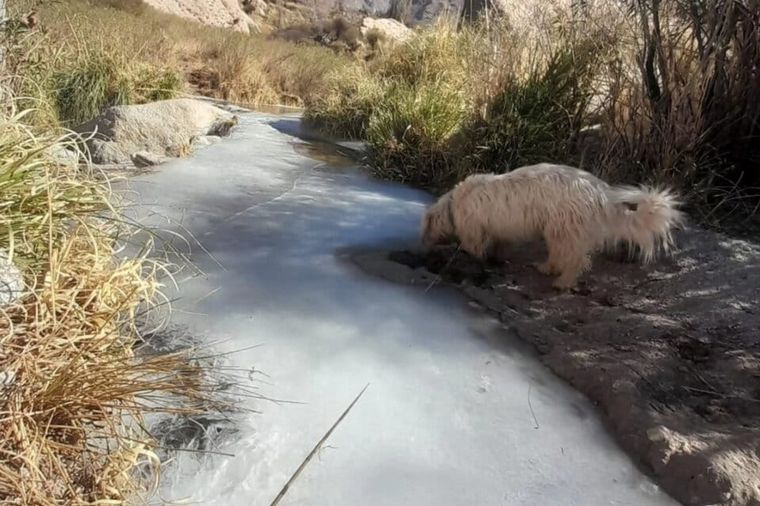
<point>670,353</point>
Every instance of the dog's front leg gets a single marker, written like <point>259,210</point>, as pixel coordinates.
<point>475,242</point>
<point>548,267</point>
<point>567,256</point>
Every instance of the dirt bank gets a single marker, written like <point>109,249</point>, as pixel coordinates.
<point>670,353</point>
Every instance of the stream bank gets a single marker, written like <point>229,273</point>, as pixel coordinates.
<point>669,353</point>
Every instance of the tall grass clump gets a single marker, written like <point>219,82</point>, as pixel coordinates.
<point>74,389</point>
<point>234,75</point>
<point>41,200</point>
<point>441,52</point>
<point>535,118</point>
<point>411,131</point>
<point>454,100</point>
<point>345,108</point>
<point>414,129</point>
<point>351,93</point>
<point>70,83</point>
<point>96,80</point>
<point>82,91</point>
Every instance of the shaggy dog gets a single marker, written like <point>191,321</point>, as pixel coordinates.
<point>576,213</point>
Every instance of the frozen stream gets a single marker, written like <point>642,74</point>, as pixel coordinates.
<point>457,413</point>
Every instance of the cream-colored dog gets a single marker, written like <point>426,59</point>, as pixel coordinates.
<point>576,213</point>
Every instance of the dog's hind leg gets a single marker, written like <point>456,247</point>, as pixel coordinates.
<point>572,269</point>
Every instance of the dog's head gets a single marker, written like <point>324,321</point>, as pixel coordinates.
<point>437,227</point>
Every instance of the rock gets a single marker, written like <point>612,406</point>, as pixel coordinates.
<point>11,280</point>
<point>391,29</point>
<point>221,13</point>
<point>164,128</point>
<point>204,140</point>
<point>147,159</point>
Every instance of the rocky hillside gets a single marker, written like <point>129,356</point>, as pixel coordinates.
<point>248,15</point>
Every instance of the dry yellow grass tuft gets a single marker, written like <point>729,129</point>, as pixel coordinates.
<point>74,389</point>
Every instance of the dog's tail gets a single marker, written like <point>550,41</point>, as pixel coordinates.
<point>644,218</point>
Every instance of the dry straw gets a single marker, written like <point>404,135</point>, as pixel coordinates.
<point>74,388</point>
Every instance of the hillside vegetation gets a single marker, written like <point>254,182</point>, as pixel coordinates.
<point>653,91</point>
<point>85,55</point>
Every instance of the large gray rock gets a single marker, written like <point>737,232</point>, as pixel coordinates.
<point>391,29</point>
<point>11,280</point>
<point>147,159</point>
<point>165,128</point>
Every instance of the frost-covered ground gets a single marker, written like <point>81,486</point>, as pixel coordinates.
<point>456,412</point>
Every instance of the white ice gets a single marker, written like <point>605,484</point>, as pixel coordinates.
<point>457,412</point>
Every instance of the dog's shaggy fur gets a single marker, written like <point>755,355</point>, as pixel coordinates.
<point>576,213</point>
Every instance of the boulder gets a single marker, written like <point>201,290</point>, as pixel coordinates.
<point>147,159</point>
<point>391,29</point>
<point>165,128</point>
<point>11,280</point>
<point>221,13</point>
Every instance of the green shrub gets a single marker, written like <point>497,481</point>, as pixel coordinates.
<point>83,90</point>
<point>535,119</point>
<point>452,101</point>
<point>411,131</point>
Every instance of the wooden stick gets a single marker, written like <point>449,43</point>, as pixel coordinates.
<point>316,449</point>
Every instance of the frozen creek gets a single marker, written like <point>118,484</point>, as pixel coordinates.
<point>457,412</point>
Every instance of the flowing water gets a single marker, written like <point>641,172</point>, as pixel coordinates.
<point>457,412</point>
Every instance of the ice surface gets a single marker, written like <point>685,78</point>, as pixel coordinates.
<point>457,413</point>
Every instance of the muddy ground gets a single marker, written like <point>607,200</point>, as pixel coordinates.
<point>670,353</point>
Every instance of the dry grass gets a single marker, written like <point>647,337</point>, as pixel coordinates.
<point>346,108</point>
<point>70,83</point>
<point>253,70</point>
<point>74,389</point>
<point>688,114</point>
